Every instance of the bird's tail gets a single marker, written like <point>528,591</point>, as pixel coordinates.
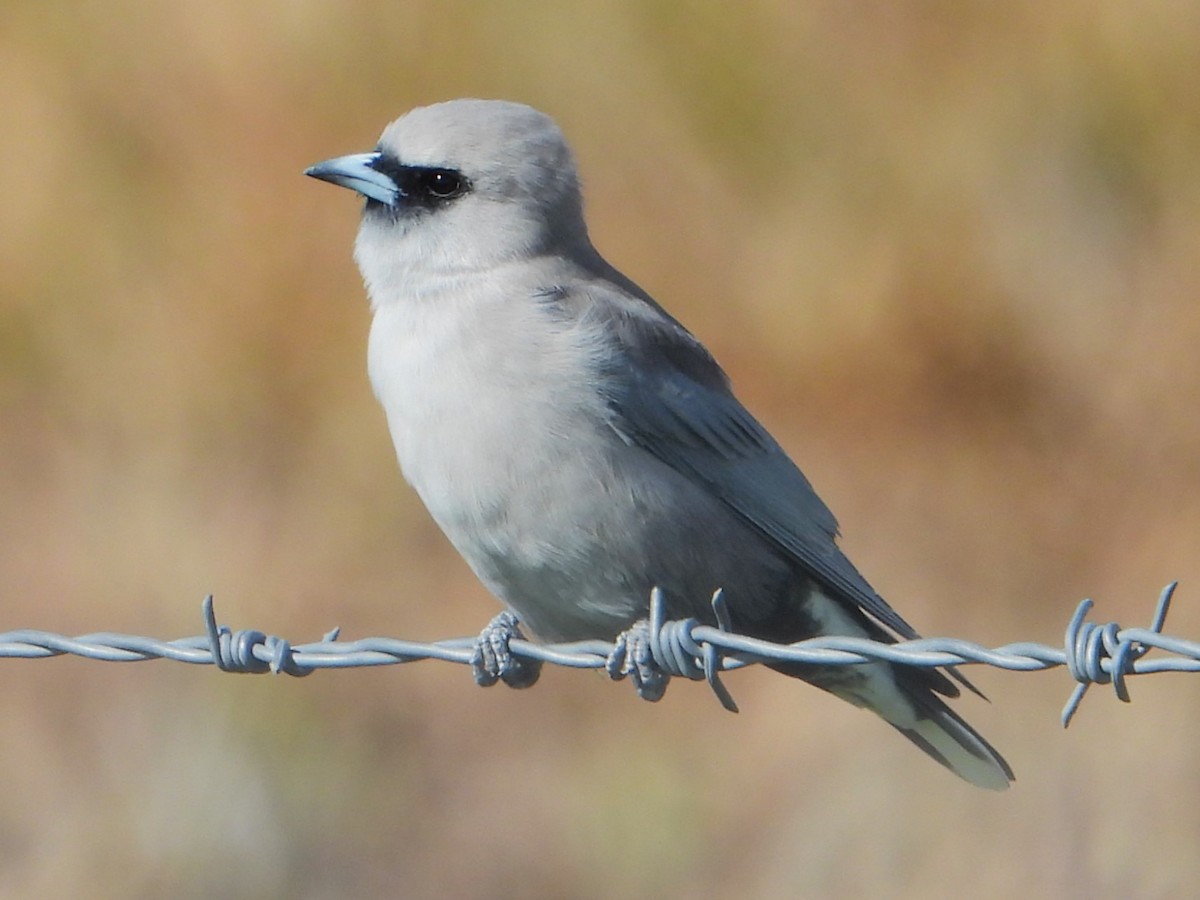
<point>903,699</point>
<point>943,734</point>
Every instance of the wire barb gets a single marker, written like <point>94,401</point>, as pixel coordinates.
<point>1099,654</point>
<point>653,651</point>
<point>235,651</point>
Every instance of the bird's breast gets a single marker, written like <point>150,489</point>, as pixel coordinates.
<point>486,402</point>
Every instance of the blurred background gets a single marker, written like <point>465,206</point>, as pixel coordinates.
<point>949,255</point>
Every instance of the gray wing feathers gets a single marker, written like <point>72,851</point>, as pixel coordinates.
<point>676,404</point>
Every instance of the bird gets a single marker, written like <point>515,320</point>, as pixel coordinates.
<point>578,446</point>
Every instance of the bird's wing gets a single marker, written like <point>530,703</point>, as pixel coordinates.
<point>670,398</point>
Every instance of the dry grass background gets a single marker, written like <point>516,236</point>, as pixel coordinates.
<point>948,252</point>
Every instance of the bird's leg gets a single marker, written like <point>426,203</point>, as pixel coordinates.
<point>492,659</point>
<point>633,655</point>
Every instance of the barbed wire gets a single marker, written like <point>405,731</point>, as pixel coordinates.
<point>650,653</point>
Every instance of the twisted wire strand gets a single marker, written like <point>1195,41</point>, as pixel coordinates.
<point>1093,653</point>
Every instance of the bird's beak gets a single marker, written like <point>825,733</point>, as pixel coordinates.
<point>357,172</point>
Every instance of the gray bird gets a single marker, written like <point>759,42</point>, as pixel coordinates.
<point>576,444</point>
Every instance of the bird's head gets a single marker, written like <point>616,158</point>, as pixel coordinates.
<point>459,187</point>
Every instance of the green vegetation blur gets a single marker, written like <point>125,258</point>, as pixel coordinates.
<point>949,253</point>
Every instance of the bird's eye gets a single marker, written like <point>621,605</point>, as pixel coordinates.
<point>443,183</point>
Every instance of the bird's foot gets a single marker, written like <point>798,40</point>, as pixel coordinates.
<point>493,661</point>
<point>633,656</point>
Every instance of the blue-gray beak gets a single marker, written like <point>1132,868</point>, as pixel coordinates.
<point>357,172</point>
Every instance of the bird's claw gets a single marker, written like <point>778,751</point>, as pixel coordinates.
<point>633,656</point>
<point>493,661</point>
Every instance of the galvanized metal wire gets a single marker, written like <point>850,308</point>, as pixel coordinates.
<point>1092,653</point>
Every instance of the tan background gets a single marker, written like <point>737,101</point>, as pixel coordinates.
<point>948,252</point>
